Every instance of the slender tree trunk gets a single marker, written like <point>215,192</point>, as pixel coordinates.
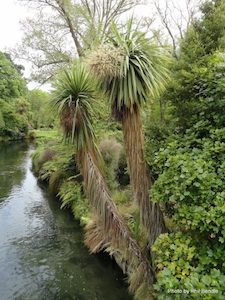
<point>66,15</point>
<point>111,221</point>
<point>74,36</point>
<point>150,213</point>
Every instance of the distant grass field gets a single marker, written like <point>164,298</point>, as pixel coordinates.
<point>42,135</point>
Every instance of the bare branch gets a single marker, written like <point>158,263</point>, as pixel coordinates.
<point>175,18</point>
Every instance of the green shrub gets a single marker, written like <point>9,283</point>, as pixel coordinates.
<point>122,196</point>
<point>191,186</point>
<point>180,269</point>
<point>111,151</point>
<point>156,136</point>
<point>13,125</point>
<point>40,157</point>
<point>72,196</point>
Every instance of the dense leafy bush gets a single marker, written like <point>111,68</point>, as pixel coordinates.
<point>14,109</point>
<point>181,272</point>
<point>198,94</point>
<point>156,135</point>
<point>72,196</point>
<point>190,168</point>
<point>196,90</point>
<point>12,85</point>
<point>12,124</point>
<point>191,186</point>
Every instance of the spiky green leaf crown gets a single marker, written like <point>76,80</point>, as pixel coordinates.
<point>143,70</point>
<point>74,96</point>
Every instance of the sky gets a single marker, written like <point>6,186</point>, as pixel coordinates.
<point>11,13</point>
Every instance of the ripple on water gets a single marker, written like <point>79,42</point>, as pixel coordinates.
<point>42,256</point>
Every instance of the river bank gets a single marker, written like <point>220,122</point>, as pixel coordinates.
<point>54,162</point>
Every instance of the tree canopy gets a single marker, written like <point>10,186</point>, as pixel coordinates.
<point>12,85</point>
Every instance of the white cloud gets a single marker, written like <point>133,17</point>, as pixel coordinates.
<point>10,15</point>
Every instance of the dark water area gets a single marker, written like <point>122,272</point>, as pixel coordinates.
<point>42,256</point>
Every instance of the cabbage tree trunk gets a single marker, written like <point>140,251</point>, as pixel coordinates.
<point>112,224</point>
<point>150,213</point>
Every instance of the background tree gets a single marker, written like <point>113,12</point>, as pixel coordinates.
<point>41,115</point>
<point>14,109</point>
<point>186,91</point>
<point>62,30</point>
<point>175,18</point>
<point>12,85</point>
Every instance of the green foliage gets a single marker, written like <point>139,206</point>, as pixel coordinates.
<point>122,197</point>
<point>190,184</point>
<point>53,160</point>
<point>55,163</point>
<point>41,157</point>
<point>44,136</point>
<point>141,69</point>
<point>74,96</point>
<point>190,167</point>
<point>13,125</point>
<point>197,88</point>
<point>134,224</point>
<point>14,109</point>
<point>2,122</point>
<point>205,35</point>
<point>156,135</point>
<point>41,110</point>
<point>11,83</point>
<point>72,196</point>
<point>199,94</point>
<point>103,124</point>
<point>53,170</point>
<point>180,268</point>
<point>191,180</point>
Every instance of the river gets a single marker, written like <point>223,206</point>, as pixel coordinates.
<point>42,256</point>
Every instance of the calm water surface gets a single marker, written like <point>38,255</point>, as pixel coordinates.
<point>42,256</point>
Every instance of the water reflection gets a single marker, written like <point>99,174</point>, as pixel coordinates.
<point>11,168</point>
<point>41,247</point>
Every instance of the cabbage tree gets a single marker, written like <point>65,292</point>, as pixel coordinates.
<point>75,97</point>
<point>133,70</point>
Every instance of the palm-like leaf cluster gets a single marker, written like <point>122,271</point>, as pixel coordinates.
<point>143,69</point>
<point>74,96</point>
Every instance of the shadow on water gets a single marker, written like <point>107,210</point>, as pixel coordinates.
<point>42,255</point>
